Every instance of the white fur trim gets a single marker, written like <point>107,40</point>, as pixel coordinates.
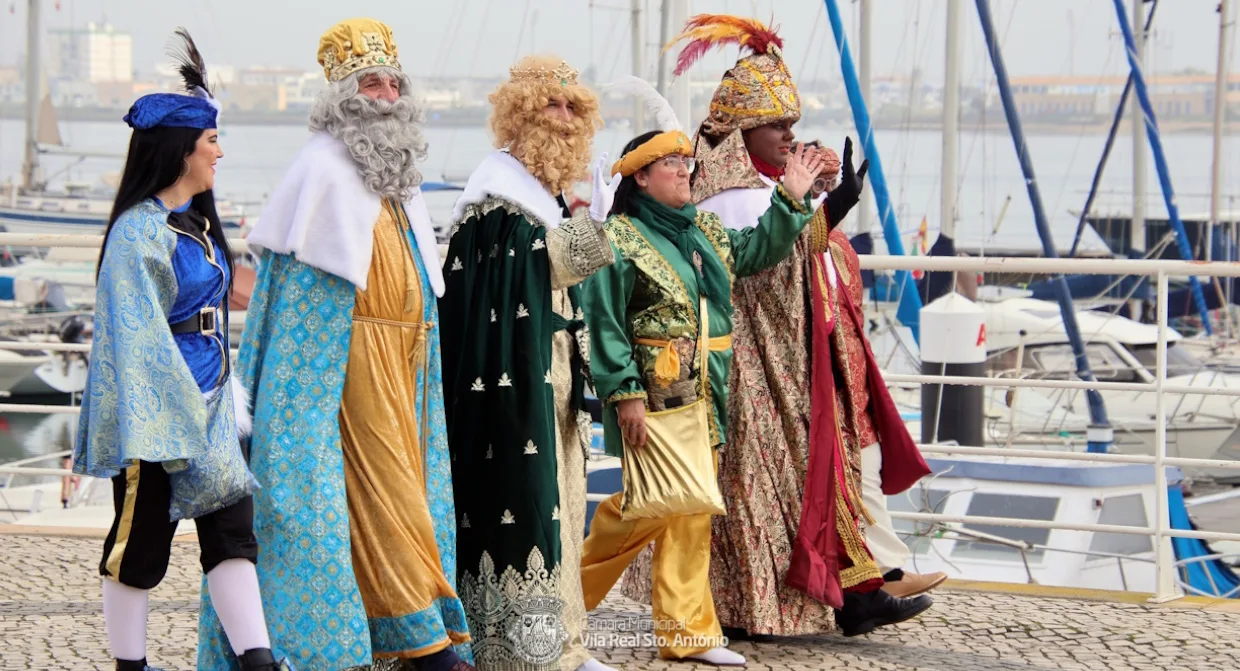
<point>500,175</point>
<point>322,213</point>
<point>241,407</point>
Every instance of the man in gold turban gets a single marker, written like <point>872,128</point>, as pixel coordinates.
<point>341,357</point>
<point>814,440</point>
<point>516,363</point>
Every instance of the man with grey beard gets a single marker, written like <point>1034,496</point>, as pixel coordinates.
<point>340,354</point>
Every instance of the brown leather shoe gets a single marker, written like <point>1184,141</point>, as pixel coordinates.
<point>912,584</point>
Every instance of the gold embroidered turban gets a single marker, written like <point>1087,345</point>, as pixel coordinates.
<point>758,90</point>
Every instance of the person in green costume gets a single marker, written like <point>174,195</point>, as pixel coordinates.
<point>516,362</point>
<point>643,316</point>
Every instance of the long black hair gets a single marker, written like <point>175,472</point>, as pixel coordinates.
<point>155,162</point>
<point>628,189</point>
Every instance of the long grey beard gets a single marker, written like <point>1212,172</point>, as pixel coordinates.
<point>384,139</point>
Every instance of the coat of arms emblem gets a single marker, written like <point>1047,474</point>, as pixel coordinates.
<point>537,634</point>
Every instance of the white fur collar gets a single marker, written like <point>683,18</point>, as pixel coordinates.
<point>500,175</point>
<point>323,213</point>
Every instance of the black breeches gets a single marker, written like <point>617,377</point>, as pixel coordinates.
<point>139,544</point>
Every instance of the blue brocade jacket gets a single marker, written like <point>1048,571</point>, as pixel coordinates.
<point>152,395</point>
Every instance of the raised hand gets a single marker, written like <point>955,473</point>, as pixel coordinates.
<point>802,169</point>
<point>604,192</point>
<point>842,199</point>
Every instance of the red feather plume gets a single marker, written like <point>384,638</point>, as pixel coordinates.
<point>707,31</point>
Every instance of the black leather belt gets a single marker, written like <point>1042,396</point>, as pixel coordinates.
<point>206,322</point>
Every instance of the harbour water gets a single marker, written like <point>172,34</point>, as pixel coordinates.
<point>256,157</point>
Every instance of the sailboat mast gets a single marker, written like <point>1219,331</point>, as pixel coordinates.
<point>1100,435</point>
<point>1137,223</point>
<point>1220,109</point>
<point>680,93</point>
<point>639,47</point>
<point>664,16</point>
<point>30,166</point>
<point>909,309</point>
<point>951,116</point>
<point>1150,121</point>
<point>865,209</point>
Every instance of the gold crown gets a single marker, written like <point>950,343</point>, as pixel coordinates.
<point>356,44</point>
<point>563,74</point>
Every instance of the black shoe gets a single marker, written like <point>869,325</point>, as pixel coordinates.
<point>130,665</point>
<point>863,613</point>
<point>261,659</point>
<point>444,660</point>
<point>738,634</point>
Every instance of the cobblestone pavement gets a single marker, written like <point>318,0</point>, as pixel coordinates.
<point>50,618</point>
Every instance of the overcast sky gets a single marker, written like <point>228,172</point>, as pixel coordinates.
<point>1052,37</point>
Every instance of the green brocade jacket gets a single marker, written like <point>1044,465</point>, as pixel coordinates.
<point>651,292</point>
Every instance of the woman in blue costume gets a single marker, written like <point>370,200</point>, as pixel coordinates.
<point>159,414</point>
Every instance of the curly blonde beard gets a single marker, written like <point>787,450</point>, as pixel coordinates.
<point>556,152</point>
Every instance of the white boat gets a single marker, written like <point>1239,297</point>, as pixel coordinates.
<point>30,206</point>
<point>1067,492</point>
<point>19,369</point>
<point>79,209</point>
<point>1025,338</point>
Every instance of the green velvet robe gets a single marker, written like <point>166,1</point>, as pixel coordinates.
<point>511,328</point>
<point>651,291</point>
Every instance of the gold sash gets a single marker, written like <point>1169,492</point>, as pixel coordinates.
<point>674,474</point>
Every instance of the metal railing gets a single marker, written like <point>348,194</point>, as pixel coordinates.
<point>1167,587</point>
<point>1160,531</point>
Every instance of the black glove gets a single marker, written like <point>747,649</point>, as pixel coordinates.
<point>842,199</point>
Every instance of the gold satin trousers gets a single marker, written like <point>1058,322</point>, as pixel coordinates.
<point>683,608</point>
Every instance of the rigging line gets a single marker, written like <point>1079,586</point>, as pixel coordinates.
<point>1063,185</point>
<point>925,58</point>
<point>1156,251</point>
<point>1007,30</point>
<point>482,31</point>
<point>920,55</point>
<point>813,31</point>
<point>818,60</point>
<point>452,136</point>
<point>1106,151</point>
<point>525,21</point>
<point>443,54</point>
<point>904,148</point>
<point>616,26</point>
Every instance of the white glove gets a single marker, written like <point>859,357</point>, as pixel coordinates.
<point>604,192</point>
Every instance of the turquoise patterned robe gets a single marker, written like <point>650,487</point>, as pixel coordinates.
<point>294,354</point>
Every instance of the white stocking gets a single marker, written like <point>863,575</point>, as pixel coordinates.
<point>233,586</point>
<point>124,615</point>
<point>594,665</point>
<point>720,657</point>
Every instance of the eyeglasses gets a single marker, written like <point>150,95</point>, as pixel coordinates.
<point>676,161</point>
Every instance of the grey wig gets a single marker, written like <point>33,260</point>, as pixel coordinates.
<point>385,139</point>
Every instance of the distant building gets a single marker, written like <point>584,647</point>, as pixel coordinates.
<point>1173,96</point>
<point>96,54</point>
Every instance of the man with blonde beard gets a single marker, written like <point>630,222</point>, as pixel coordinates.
<point>341,357</point>
<point>516,365</point>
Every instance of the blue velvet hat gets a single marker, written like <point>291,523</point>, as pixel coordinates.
<point>194,109</point>
<point>172,110</point>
